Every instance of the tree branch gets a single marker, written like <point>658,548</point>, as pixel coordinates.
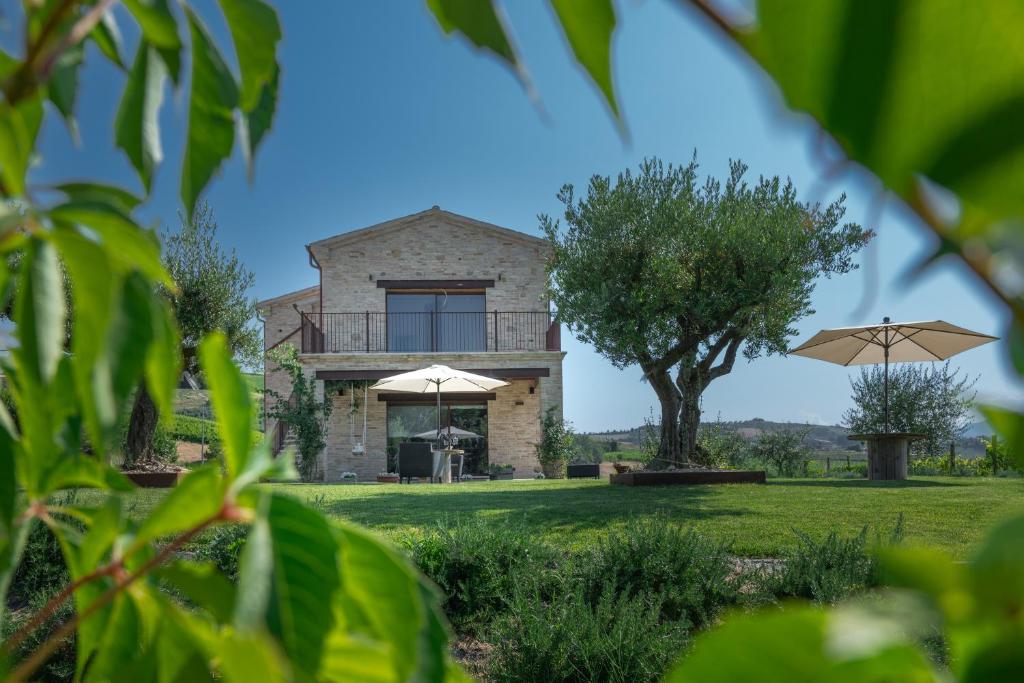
<point>37,65</point>
<point>725,367</point>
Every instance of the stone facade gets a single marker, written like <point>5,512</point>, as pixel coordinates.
<point>432,245</point>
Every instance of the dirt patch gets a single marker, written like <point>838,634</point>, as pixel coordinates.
<point>473,656</point>
<point>191,452</point>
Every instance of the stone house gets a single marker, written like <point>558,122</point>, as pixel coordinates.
<point>432,287</point>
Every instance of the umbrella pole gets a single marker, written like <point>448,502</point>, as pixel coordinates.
<point>438,444</point>
<point>886,381</point>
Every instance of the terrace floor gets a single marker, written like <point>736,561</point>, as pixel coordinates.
<point>949,513</point>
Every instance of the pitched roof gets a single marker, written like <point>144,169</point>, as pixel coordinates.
<point>435,211</point>
<point>297,295</point>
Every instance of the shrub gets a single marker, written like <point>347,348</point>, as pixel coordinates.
<point>477,568</point>
<point>939,465</point>
<point>826,571</point>
<point>60,666</point>
<point>556,446</point>
<point>41,573</point>
<point>687,573</point>
<point>223,546</point>
<point>719,446</point>
<point>569,638</point>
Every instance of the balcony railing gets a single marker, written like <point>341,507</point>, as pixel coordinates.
<point>371,332</point>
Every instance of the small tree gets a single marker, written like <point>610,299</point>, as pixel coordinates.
<point>557,444</point>
<point>784,450</point>
<point>658,271</point>
<point>212,294</point>
<point>931,399</point>
<point>305,415</point>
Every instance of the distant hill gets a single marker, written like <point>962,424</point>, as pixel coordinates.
<point>819,437</point>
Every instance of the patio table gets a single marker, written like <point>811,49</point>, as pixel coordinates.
<point>887,454</point>
<point>443,460</point>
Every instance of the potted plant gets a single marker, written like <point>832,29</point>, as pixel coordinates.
<point>388,478</point>
<point>500,471</point>
<point>349,477</point>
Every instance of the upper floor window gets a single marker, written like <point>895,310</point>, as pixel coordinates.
<point>436,321</point>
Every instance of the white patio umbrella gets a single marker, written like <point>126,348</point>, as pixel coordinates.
<point>438,379</point>
<point>891,343</point>
<point>451,431</point>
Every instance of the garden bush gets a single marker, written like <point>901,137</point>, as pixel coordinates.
<point>686,573</point>
<point>939,466</point>
<point>223,547</point>
<point>616,638</point>
<point>825,571</point>
<point>477,567</point>
<point>41,573</point>
<point>784,451</point>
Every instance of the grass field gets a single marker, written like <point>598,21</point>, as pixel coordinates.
<point>950,513</point>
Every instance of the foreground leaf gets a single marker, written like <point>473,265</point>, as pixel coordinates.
<point>137,124</point>
<point>211,124</point>
<point>588,26</point>
<point>232,405</point>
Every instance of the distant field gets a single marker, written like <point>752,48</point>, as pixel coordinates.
<point>255,380</point>
<point>625,454</point>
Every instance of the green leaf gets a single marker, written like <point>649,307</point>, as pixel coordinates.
<point>255,124</point>
<point>804,647</point>
<point>255,572</point>
<point>997,573</point>
<point>256,31</point>
<point>204,585</point>
<point>477,20</point>
<point>1009,425</point>
<point>39,312</point>
<point>305,578</point>
<point>84,471</point>
<point>211,125</point>
<point>19,127</point>
<point>12,544</point>
<point>100,192</point>
<point>197,497</point>
<point>232,404</point>
<point>128,245</point>
<point>251,657</point>
<point>158,24</point>
<point>163,358</point>
<point>107,37</point>
<point>870,74</point>
<point>588,26</point>
<point>385,592</point>
<point>137,126</point>
<point>93,293</point>
<point>62,88</point>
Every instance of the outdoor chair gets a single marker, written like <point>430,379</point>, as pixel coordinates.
<point>415,460</point>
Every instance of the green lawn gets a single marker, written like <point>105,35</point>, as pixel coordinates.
<point>951,513</point>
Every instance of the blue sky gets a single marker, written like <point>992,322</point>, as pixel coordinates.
<point>381,116</point>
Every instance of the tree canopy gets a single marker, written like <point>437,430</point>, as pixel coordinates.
<point>658,270</point>
<point>932,399</point>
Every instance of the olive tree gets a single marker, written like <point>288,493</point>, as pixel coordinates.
<point>210,293</point>
<point>658,270</point>
<point>932,399</point>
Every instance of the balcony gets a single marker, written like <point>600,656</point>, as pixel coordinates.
<point>450,332</point>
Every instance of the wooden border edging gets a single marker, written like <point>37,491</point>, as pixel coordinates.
<point>688,478</point>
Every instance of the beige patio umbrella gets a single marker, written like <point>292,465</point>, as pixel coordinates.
<point>891,343</point>
<point>437,379</point>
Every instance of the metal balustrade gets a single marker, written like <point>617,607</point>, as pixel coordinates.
<point>375,332</point>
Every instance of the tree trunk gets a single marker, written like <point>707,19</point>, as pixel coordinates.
<point>668,396</point>
<point>141,429</point>
<point>689,416</point>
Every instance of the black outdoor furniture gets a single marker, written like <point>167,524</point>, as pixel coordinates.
<point>416,460</point>
<point>583,470</point>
